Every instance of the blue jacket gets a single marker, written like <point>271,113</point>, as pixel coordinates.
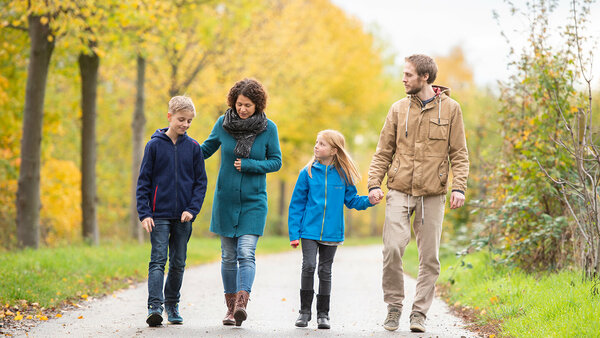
<point>240,202</point>
<point>317,206</point>
<point>172,178</point>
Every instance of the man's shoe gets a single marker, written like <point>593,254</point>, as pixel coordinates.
<point>154,316</point>
<point>173,314</point>
<point>417,322</point>
<point>392,320</point>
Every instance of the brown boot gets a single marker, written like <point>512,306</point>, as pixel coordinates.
<point>241,301</point>
<point>230,301</point>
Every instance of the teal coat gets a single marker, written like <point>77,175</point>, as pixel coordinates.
<point>240,202</point>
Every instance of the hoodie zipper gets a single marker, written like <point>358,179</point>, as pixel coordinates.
<point>176,177</point>
<point>325,206</point>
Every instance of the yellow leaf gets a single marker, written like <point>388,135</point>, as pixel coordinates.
<point>19,317</point>
<point>80,317</point>
<point>43,318</point>
<point>29,317</point>
<point>574,109</point>
<point>283,299</point>
<point>58,315</point>
<point>493,299</point>
<point>50,38</point>
<point>43,20</point>
<point>84,296</point>
<point>9,313</point>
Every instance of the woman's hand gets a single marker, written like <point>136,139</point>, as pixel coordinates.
<point>238,164</point>
<point>294,243</point>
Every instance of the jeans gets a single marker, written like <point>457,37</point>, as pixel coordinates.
<point>238,265</point>
<point>168,236</point>
<point>309,264</point>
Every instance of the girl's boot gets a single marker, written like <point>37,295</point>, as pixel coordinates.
<point>323,311</point>
<point>241,301</point>
<point>230,301</point>
<point>306,299</point>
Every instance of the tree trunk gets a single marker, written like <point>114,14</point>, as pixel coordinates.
<point>28,193</point>
<point>282,207</point>
<point>88,66</point>
<point>138,126</point>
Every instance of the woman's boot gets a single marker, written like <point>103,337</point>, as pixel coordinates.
<point>241,301</point>
<point>323,311</point>
<point>306,298</point>
<point>230,302</point>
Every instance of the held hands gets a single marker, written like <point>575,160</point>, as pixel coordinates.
<point>294,243</point>
<point>148,224</point>
<point>186,217</point>
<point>238,164</point>
<point>457,200</point>
<point>375,196</point>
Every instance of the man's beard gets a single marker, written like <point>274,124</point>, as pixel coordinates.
<point>414,90</point>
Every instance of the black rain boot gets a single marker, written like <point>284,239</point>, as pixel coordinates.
<point>306,299</point>
<point>323,311</point>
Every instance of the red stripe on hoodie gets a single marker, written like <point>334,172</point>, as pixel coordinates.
<point>154,202</point>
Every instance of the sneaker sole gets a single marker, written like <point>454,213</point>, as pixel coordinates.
<point>417,328</point>
<point>154,319</point>
<point>390,328</point>
<point>176,322</point>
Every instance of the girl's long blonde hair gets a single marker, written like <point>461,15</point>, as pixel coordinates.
<point>341,160</point>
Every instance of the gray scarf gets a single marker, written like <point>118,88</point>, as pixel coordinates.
<point>244,131</point>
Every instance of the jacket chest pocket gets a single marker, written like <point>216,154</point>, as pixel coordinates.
<point>438,129</point>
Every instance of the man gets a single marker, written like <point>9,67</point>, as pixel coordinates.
<point>422,136</point>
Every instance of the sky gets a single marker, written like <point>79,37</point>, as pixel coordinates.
<point>466,23</point>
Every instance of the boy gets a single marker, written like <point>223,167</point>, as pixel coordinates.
<point>170,192</point>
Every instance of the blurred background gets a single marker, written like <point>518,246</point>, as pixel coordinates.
<point>104,72</point>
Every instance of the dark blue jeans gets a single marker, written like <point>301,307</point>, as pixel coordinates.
<point>169,236</point>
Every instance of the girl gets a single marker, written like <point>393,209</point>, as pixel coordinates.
<point>316,215</point>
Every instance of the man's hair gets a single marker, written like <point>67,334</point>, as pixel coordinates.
<point>181,103</point>
<point>251,89</point>
<point>424,65</point>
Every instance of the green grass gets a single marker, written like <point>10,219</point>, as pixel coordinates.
<point>525,305</point>
<point>51,276</point>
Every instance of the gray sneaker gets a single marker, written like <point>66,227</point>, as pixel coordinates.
<point>417,322</point>
<point>392,320</point>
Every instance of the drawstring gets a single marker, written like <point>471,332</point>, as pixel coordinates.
<point>406,125</point>
<point>439,108</point>
<point>408,207</point>
<point>422,211</point>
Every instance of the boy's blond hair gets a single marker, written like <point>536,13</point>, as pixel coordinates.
<point>341,160</point>
<point>181,103</point>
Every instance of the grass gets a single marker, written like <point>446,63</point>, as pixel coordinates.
<point>53,276</point>
<point>523,305</point>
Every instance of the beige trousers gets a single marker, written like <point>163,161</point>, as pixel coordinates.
<point>427,225</point>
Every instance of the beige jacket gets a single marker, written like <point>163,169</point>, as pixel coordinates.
<point>417,144</point>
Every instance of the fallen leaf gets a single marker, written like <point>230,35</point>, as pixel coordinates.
<point>58,315</point>
<point>84,296</point>
<point>29,317</point>
<point>43,318</point>
<point>80,317</point>
<point>8,313</point>
<point>18,317</point>
<point>283,299</point>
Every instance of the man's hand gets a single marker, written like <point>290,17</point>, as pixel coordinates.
<point>457,200</point>
<point>148,224</point>
<point>238,164</point>
<point>294,243</point>
<point>375,196</point>
<point>186,216</point>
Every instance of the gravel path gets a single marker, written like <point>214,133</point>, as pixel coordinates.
<point>357,307</point>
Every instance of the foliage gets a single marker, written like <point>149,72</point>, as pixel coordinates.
<point>524,213</point>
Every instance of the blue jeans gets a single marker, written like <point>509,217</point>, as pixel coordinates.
<point>237,262</point>
<point>168,236</point>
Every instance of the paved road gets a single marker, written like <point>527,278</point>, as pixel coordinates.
<point>357,307</point>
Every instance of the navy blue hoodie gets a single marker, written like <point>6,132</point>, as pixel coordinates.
<point>172,178</point>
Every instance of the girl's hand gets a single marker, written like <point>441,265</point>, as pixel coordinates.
<point>238,164</point>
<point>294,243</point>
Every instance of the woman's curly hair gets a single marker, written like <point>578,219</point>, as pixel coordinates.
<point>251,89</point>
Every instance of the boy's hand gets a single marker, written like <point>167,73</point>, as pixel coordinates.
<point>186,217</point>
<point>238,164</point>
<point>148,224</point>
<point>294,243</point>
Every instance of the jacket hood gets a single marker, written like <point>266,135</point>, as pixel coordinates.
<point>162,134</point>
<point>439,90</point>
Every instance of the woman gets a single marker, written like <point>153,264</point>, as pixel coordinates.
<point>249,150</point>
